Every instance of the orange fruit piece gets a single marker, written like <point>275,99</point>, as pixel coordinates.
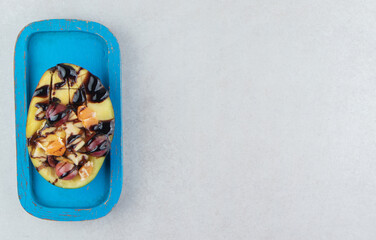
<point>87,116</point>
<point>55,148</point>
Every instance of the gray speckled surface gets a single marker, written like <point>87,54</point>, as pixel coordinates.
<point>243,119</point>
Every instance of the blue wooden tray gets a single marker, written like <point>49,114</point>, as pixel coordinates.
<point>41,45</point>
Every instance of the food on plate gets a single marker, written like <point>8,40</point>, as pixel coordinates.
<point>70,126</point>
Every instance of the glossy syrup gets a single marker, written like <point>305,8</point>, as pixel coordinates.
<point>104,127</point>
<point>72,138</point>
<point>79,97</point>
<point>96,91</point>
<point>68,172</point>
<point>67,74</point>
<point>42,91</point>
<point>42,105</point>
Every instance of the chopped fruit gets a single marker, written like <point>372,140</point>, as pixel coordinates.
<point>49,135</point>
<point>52,161</point>
<point>63,159</point>
<point>78,124</point>
<point>98,145</point>
<point>71,129</point>
<point>72,116</point>
<point>77,157</point>
<point>57,114</point>
<point>74,136</point>
<point>43,142</point>
<point>39,114</point>
<point>66,171</point>
<point>89,122</point>
<point>69,126</point>
<point>39,153</point>
<point>60,134</point>
<point>77,147</point>
<point>87,116</point>
<point>84,112</point>
<point>55,148</point>
<point>46,130</point>
<point>86,170</point>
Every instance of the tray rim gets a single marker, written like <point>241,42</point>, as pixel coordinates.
<point>21,109</point>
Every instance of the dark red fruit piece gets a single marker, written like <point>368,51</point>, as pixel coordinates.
<point>52,161</point>
<point>57,114</point>
<point>98,145</point>
<point>66,171</point>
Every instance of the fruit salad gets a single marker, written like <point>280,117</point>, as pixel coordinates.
<point>70,125</point>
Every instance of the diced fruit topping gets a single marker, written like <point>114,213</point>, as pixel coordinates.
<point>86,170</point>
<point>55,148</point>
<point>98,145</point>
<point>80,143</point>
<point>57,114</point>
<point>71,129</point>
<point>51,161</point>
<point>77,157</point>
<point>87,116</point>
<point>46,131</point>
<point>64,159</point>
<point>39,114</point>
<point>78,124</point>
<point>41,110</point>
<point>39,153</point>
<point>66,171</point>
<point>72,116</point>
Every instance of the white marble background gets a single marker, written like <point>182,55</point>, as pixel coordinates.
<point>242,119</point>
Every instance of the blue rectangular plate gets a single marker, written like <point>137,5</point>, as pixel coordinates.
<point>92,46</point>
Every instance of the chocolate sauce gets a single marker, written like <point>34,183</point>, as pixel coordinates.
<point>95,89</point>
<point>55,100</point>
<point>55,118</point>
<point>79,97</point>
<point>82,162</point>
<point>59,85</point>
<point>67,73</point>
<point>72,138</point>
<point>31,140</point>
<point>42,91</point>
<point>54,182</point>
<point>68,172</point>
<point>103,145</point>
<point>42,105</point>
<point>104,127</point>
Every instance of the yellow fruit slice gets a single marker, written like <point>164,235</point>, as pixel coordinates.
<point>59,89</point>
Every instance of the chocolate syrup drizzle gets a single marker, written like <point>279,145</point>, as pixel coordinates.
<point>67,74</point>
<point>68,172</point>
<point>42,91</point>
<point>79,97</point>
<point>96,91</point>
<point>104,127</point>
<point>42,105</point>
<point>72,138</point>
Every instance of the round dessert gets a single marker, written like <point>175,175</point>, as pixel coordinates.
<point>70,125</point>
